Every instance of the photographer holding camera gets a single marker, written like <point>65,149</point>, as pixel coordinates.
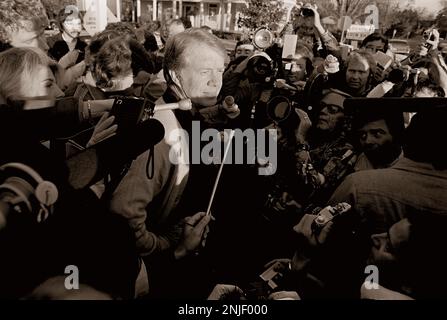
<point>323,155</point>
<point>251,84</point>
<point>307,25</point>
<point>296,278</point>
<point>315,156</point>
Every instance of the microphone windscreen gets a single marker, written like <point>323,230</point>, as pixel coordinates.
<point>128,145</point>
<point>145,135</point>
<point>229,100</point>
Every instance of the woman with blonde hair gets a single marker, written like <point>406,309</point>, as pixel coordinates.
<point>27,73</point>
<point>80,232</point>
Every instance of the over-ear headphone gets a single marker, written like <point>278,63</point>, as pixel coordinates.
<point>24,189</point>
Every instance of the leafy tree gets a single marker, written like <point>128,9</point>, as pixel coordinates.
<point>441,21</point>
<point>405,22</point>
<point>340,8</point>
<point>260,13</point>
<point>54,6</point>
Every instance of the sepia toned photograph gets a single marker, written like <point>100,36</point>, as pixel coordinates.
<point>223,150</point>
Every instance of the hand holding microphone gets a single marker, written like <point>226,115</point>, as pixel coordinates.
<point>231,109</point>
<point>181,105</point>
<point>281,84</point>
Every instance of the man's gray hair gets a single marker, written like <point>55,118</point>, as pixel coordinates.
<point>177,47</point>
<point>360,55</point>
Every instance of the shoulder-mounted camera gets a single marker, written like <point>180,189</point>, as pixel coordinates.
<point>281,111</point>
<point>261,69</point>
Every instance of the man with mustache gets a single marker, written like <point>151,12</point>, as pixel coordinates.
<point>379,135</point>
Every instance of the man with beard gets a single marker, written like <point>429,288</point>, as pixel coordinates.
<point>414,189</point>
<point>379,135</point>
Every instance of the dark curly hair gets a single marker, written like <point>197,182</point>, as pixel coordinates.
<point>120,57</point>
<point>123,28</point>
<point>15,14</point>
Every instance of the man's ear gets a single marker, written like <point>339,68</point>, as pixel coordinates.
<point>174,77</point>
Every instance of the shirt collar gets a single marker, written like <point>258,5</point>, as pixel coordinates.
<point>406,164</point>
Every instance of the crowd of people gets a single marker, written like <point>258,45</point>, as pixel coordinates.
<point>360,178</point>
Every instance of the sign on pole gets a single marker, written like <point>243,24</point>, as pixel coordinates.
<point>359,32</point>
<point>111,18</point>
<point>95,19</point>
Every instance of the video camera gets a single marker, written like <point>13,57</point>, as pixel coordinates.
<point>281,111</point>
<point>428,36</point>
<point>130,111</point>
<point>261,69</point>
<point>304,11</point>
<point>277,276</point>
<point>268,281</point>
<point>406,82</point>
<point>25,189</point>
<point>266,41</point>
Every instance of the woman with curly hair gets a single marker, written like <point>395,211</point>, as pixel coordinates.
<point>22,23</point>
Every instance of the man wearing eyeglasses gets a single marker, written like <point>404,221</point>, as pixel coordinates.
<point>323,154</point>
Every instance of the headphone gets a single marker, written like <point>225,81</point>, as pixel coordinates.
<point>22,187</point>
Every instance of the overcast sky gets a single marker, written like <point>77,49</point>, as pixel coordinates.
<point>432,6</point>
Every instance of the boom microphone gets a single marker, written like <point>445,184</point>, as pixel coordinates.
<point>281,84</point>
<point>182,105</point>
<point>48,118</point>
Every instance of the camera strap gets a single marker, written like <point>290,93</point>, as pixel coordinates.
<point>113,181</point>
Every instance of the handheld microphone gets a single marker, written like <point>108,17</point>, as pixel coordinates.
<point>182,105</point>
<point>281,84</point>
<point>231,108</point>
<point>48,118</point>
<point>229,101</point>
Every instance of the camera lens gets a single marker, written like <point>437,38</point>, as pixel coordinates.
<point>307,12</point>
<point>260,68</point>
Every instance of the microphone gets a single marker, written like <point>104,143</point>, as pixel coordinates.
<point>281,84</point>
<point>48,118</point>
<point>182,105</point>
<point>231,108</point>
<point>92,164</point>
